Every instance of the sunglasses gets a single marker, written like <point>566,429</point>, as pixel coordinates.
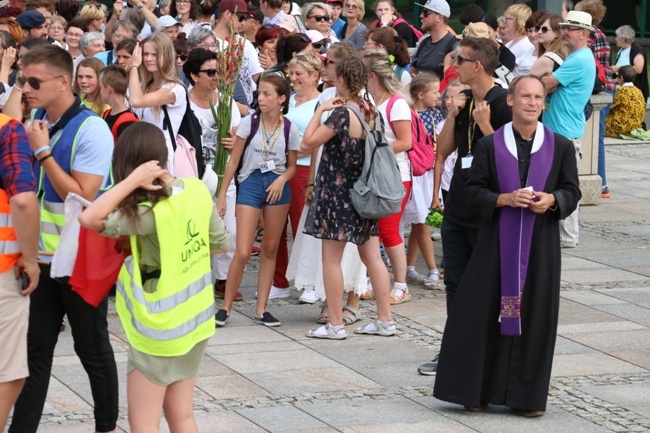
<point>320,18</point>
<point>427,12</point>
<point>460,59</point>
<point>183,57</point>
<point>542,29</point>
<point>328,62</point>
<point>209,72</point>
<point>304,38</point>
<point>243,18</point>
<point>318,45</point>
<point>35,83</point>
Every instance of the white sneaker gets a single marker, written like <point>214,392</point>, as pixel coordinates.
<point>278,293</point>
<point>308,297</point>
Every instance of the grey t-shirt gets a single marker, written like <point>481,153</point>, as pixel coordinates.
<point>430,56</point>
<point>256,154</point>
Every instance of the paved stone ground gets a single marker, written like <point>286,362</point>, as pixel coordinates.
<point>255,379</point>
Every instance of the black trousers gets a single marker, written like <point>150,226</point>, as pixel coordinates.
<point>458,242</point>
<point>51,300</point>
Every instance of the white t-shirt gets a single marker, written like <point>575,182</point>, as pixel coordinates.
<point>176,112</point>
<point>209,128</point>
<point>256,153</point>
<point>399,111</point>
<point>524,52</point>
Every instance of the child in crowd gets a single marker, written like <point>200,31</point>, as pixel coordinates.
<point>113,83</point>
<point>264,160</point>
<point>425,93</point>
<point>87,84</point>
<point>159,212</point>
<point>628,109</point>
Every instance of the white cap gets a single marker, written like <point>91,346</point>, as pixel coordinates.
<point>438,6</point>
<point>166,21</point>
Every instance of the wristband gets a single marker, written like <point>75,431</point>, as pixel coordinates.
<point>309,185</point>
<point>41,150</point>
<point>133,66</point>
<point>44,158</point>
<point>20,89</point>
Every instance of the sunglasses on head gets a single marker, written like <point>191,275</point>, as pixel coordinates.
<point>304,38</point>
<point>209,72</point>
<point>320,18</point>
<point>542,29</point>
<point>35,83</point>
<point>183,57</point>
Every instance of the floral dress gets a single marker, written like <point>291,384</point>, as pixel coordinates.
<point>331,214</point>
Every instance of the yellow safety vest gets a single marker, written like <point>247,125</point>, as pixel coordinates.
<point>180,313</point>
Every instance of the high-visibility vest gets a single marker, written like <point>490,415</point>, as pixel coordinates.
<point>180,313</point>
<point>9,248</point>
<point>63,149</point>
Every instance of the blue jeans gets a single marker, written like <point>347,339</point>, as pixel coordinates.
<point>602,172</point>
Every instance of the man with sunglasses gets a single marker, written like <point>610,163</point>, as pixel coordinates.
<point>232,14</point>
<point>474,114</point>
<point>435,45</point>
<point>73,149</point>
<point>570,87</point>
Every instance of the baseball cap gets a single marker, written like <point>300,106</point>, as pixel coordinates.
<point>231,5</point>
<point>315,36</point>
<point>475,30</point>
<point>335,1</point>
<point>166,21</point>
<point>30,19</point>
<point>257,14</point>
<point>438,6</point>
<point>287,22</point>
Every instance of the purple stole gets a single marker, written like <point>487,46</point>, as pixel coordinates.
<point>516,224</point>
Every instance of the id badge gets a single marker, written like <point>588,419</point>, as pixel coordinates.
<point>466,162</point>
<point>267,166</point>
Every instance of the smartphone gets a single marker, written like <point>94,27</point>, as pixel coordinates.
<point>24,280</point>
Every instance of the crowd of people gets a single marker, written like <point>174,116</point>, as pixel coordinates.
<point>92,100</point>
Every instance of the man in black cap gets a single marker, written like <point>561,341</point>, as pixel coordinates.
<point>252,24</point>
<point>33,24</point>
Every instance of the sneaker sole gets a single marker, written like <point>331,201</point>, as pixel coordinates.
<point>327,337</point>
<point>426,373</point>
<point>270,325</point>
<point>307,301</point>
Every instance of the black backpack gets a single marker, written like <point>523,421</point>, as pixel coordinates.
<point>190,128</point>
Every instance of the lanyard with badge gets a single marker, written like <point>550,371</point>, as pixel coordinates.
<point>466,161</point>
<point>267,145</point>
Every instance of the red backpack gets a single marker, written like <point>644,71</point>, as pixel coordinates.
<point>423,153</point>
<point>418,34</point>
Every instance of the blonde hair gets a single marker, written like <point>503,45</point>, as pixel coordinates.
<point>165,62</point>
<point>377,62</point>
<point>360,3</point>
<point>90,12</point>
<point>520,13</point>
<point>96,65</point>
<point>309,62</point>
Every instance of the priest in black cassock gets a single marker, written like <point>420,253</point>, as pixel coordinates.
<point>499,339</point>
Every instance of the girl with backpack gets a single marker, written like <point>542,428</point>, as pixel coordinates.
<point>383,85</point>
<point>159,212</point>
<point>387,16</point>
<point>263,160</point>
<point>332,217</point>
<point>425,93</point>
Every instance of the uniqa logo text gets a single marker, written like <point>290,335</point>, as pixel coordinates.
<point>194,247</point>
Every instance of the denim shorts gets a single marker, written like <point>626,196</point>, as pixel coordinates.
<point>252,191</point>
